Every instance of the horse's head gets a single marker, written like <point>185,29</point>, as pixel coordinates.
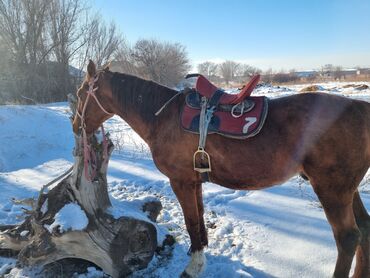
<point>94,100</point>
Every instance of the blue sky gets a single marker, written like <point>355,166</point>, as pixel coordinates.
<point>281,34</point>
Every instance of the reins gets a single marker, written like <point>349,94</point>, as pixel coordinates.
<point>168,102</point>
<point>89,155</point>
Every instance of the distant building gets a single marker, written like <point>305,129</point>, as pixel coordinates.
<point>306,73</point>
<point>349,72</point>
<point>363,71</point>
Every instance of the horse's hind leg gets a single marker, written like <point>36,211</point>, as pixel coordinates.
<point>362,269</point>
<point>339,212</point>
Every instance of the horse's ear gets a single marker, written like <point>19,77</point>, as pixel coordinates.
<point>91,69</point>
<point>107,66</point>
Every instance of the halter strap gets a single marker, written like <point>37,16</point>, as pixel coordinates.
<point>89,154</point>
<point>91,92</point>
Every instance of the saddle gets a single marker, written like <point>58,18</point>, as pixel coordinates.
<point>205,88</point>
<point>237,116</point>
<point>209,109</point>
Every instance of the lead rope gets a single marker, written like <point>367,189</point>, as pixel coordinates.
<point>105,146</point>
<point>90,156</point>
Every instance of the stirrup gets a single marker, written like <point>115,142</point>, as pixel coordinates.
<point>204,156</point>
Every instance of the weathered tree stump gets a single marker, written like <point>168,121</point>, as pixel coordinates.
<point>118,246</point>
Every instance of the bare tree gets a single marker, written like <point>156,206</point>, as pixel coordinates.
<point>65,28</point>
<point>97,42</point>
<point>65,31</point>
<point>165,63</point>
<point>228,70</point>
<point>338,73</point>
<point>124,60</point>
<point>328,67</point>
<point>246,70</point>
<point>104,41</point>
<point>45,37</point>
<point>267,76</point>
<point>5,73</point>
<point>327,70</point>
<point>208,69</point>
<point>22,27</point>
<point>12,30</point>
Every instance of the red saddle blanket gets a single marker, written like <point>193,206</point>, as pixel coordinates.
<point>246,122</point>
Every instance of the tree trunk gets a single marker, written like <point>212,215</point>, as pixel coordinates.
<point>118,246</point>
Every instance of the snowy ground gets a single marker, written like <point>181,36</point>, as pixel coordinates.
<point>278,232</point>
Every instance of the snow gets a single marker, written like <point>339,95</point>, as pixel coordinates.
<point>28,134</point>
<point>277,232</point>
<point>92,272</point>
<point>44,207</point>
<point>70,217</point>
<point>6,264</point>
<point>24,233</point>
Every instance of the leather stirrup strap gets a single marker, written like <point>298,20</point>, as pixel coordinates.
<point>211,106</point>
<point>215,98</point>
<point>205,177</point>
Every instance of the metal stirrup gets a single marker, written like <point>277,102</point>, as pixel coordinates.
<point>204,120</point>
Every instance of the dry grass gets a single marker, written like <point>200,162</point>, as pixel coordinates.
<point>362,87</point>
<point>349,86</point>
<point>311,88</point>
<point>356,87</point>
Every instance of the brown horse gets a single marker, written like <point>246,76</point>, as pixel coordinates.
<point>323,137</point>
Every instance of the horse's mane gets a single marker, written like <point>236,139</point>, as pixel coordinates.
<point>145,96</point>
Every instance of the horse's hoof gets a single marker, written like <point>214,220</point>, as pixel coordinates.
<point>196,265</point>
<point>184,274</point>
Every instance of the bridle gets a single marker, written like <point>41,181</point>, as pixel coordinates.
<point>89,155</point>
<point>90,93</point>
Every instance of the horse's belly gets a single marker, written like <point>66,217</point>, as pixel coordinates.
<point>242,186</point>
<point>251,179</point>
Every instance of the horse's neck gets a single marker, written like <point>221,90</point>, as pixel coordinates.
<point>147,99</point>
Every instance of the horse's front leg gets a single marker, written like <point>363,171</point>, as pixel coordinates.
<point>186,193</point>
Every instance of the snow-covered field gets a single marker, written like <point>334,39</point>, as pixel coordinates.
<point>278,232</point>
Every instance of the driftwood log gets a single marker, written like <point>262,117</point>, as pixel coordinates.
<point>118,246</point>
